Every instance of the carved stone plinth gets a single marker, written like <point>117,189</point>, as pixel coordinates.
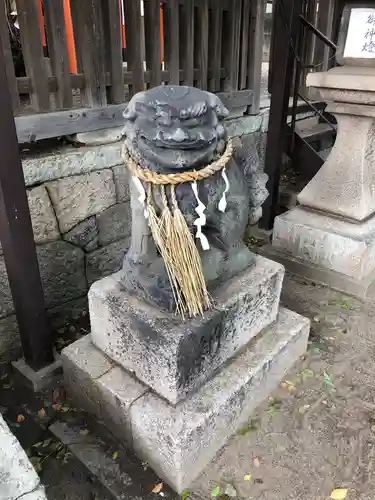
<point>176,357</point>
<point>179,441</point>
<point>330,238</point>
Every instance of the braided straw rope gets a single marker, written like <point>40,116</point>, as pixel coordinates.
<point>170,179</point>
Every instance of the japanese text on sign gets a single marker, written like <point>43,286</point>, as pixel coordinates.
<point>360,41</point>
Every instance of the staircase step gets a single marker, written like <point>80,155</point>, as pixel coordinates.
<point>121,475</point>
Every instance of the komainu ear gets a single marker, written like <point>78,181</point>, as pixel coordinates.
<point>216,104</point>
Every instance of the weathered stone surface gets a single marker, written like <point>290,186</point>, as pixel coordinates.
<point>76,198</point>
<point>122,179</point>
<point>172,356</point>
<point>17,475</point>
<point>42,215</point>
<point>6,301</point>
<point>99,137</point>
<point>10,342</point>
<point>62,270</point>
<point>346,195</point>
<point>106,260</point>
<point>85,234</point>
<point>350,93</point>
<point>114,223</point>
<point>69,161</point>
<point>45,378</point>
<point>331,243</point>
<point>99,387</point>
<point>179,441</point>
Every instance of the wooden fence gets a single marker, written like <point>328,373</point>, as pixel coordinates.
<point>211,44</point>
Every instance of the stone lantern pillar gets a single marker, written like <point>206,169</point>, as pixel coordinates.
<point>330,237</point>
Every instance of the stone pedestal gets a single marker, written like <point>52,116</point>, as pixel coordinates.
<point>175,390</point>
<point>330,238</point>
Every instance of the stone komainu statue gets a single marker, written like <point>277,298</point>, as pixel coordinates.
<point>186,185</point>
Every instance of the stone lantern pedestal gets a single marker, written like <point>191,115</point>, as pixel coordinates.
<point>330,237</point>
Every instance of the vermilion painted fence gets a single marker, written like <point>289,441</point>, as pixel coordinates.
<point>84,58</point>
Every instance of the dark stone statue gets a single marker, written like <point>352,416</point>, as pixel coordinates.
<point>170,129</point>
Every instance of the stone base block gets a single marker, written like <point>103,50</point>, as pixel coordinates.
<point>326,249</point>
<point>363,290</point>
<point>179,441</point>
<point>47,377</point>
<point>175,357</point>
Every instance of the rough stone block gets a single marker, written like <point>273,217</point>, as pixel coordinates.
<point>84,235</point>
<point>100,387</point>
<point>114,223</point>
<point>18,478</point>
<point>42,215</point>
<point>335,244</point>
<point>68,161</point>
<point>122,178</point>
<point>106,260</point>
<point>179,441</point>
<point>10,342</point>
<point>175,357</point>
<point>6,300</point>
<point>100,137</point>
<point>62,270</point>
<point>46,378</point>
<point>76,198</point>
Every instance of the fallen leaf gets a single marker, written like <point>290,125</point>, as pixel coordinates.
<point>230,491</point>
<point>373,428</point>
<point>339,494</point>
<point>162,494</point>
<point>83,432</point>
<point>247,477</point>
<point>42,413</point>
<point>20,418</point>
<point>215,492</point>
<point>306,373</point>
<point>115,455</point>
<point>303,409</point>
<point>38,444</point>
<point>328,382</point>
<point>157,488</point>
<point>56,406</point>
<point>256,462</point>
<point>185,495</point>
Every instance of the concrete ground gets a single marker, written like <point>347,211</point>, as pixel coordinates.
<point>317,432</point>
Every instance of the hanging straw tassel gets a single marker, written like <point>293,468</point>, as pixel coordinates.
<point>182,259</point>
<point>159,235</point>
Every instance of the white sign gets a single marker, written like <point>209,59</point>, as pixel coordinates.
<point>360,41</point>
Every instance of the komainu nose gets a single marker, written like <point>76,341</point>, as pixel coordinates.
<point>179,135</point>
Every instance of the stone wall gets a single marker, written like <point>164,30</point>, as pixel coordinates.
<point>80,211</point>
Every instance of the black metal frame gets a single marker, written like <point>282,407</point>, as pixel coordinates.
<point>288,44</point>
<point>17,239</point>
